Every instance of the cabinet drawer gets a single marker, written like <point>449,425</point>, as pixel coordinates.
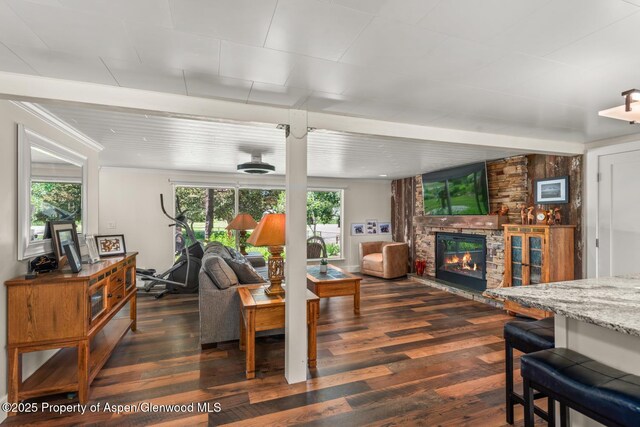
<point>115,295</point>
<point>116,288</point>
<point>116,279</point>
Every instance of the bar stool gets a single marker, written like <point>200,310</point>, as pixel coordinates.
<point>527,337</point>
<point>602,393</point>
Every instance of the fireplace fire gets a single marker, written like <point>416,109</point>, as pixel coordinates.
<point>456,263</point>
<point>460,258</point>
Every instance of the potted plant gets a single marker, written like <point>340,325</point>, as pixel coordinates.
<point>323,265</point>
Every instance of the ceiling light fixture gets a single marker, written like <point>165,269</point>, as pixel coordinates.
<point>383,175</point>
<point>626,111</point>
<point>256,166</point>
<point>632,94</point>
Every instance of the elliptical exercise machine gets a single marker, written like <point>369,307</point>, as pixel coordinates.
<point>182,277</point>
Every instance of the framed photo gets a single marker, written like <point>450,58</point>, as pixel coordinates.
<point>73,257</point>
<point>384,228</point>
<point>357,229</point>
<point>372,226</point>
<point>62,231</point>
<point>92,249</point>
<point>110,245</point>
<point>552,190</point>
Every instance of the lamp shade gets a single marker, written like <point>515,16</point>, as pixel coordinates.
<point>242,221</point>
<point>269,232</point>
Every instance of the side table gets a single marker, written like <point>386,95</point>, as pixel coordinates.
<point>334,283</point>
<point>261,312</point>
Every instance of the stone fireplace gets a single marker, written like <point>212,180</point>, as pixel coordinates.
<point>461,259</point>
<point>492,267</point>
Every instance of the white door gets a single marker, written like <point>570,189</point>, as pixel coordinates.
<point>619,214</point>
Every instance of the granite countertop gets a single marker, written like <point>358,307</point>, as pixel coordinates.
<point>610,302</point>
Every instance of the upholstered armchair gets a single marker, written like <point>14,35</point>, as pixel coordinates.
<point>384,259</point>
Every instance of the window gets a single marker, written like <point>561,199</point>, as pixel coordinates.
<point>210,210</point>
<point>257,202</point>
<point>54,201</point>
<point>323,219</point>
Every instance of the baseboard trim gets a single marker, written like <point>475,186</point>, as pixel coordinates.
<point>352,268</point>
<point>3,414</point>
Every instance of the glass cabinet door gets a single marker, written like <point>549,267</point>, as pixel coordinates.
<point>130,277</point>
<point>97,302</point>
<point>517,242</point>
<point>535,259</point>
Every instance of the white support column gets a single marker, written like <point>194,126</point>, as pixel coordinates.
<point>295,368</point>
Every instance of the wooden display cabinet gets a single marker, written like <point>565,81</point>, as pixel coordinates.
<point>536,254</point>
<point>83,314</point>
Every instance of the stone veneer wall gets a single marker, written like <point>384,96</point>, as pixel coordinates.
<point>507,180</point>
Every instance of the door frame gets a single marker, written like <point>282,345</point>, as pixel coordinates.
<point>592,197</point>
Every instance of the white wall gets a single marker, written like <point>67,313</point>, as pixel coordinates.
<point>145,228</point>
<point>10,116</point>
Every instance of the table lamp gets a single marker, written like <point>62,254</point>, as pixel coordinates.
<point>270,232</point>
<point>242,222</point>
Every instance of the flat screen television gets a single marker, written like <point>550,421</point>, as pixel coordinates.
<point>457,191</point>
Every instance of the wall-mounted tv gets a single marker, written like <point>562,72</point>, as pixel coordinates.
<point>457,191</point>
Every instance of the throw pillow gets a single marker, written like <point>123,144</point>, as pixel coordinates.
<point>244,271</point>
<point>218,249</point>
<point>237,255</point>
<point>219,271</point>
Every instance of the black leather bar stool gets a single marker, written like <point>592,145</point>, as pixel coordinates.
<point>605,394</point>
<point>527,337</point>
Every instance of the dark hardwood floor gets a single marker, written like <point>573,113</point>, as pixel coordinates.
<point>415,356</point>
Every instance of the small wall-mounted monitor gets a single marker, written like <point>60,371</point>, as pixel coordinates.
<point>457,191</point>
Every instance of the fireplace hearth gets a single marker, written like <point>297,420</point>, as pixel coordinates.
<point>461,259</point>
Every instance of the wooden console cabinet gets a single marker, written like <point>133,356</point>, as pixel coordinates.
<point>81,314</point>
<point>537,254</point>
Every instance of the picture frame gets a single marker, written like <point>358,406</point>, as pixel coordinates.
<point>73,257</point>
<point>357,229</point>
<point>551,190</point>
<point>62,231</point>
<point>92,249</point>
<point>384,227</point>
<point>372,226</point>
<point>110,245</point>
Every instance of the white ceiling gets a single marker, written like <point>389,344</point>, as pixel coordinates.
<point>156,142</point>
<point>538,68</point>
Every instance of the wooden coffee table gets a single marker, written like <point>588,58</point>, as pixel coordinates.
<point>334,283</point>
<point>262,312</point>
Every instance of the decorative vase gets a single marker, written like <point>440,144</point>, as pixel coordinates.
<point>323,268</point>
<point>421,265</point>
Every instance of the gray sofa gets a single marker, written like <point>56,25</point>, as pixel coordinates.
<point>220,308</point>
